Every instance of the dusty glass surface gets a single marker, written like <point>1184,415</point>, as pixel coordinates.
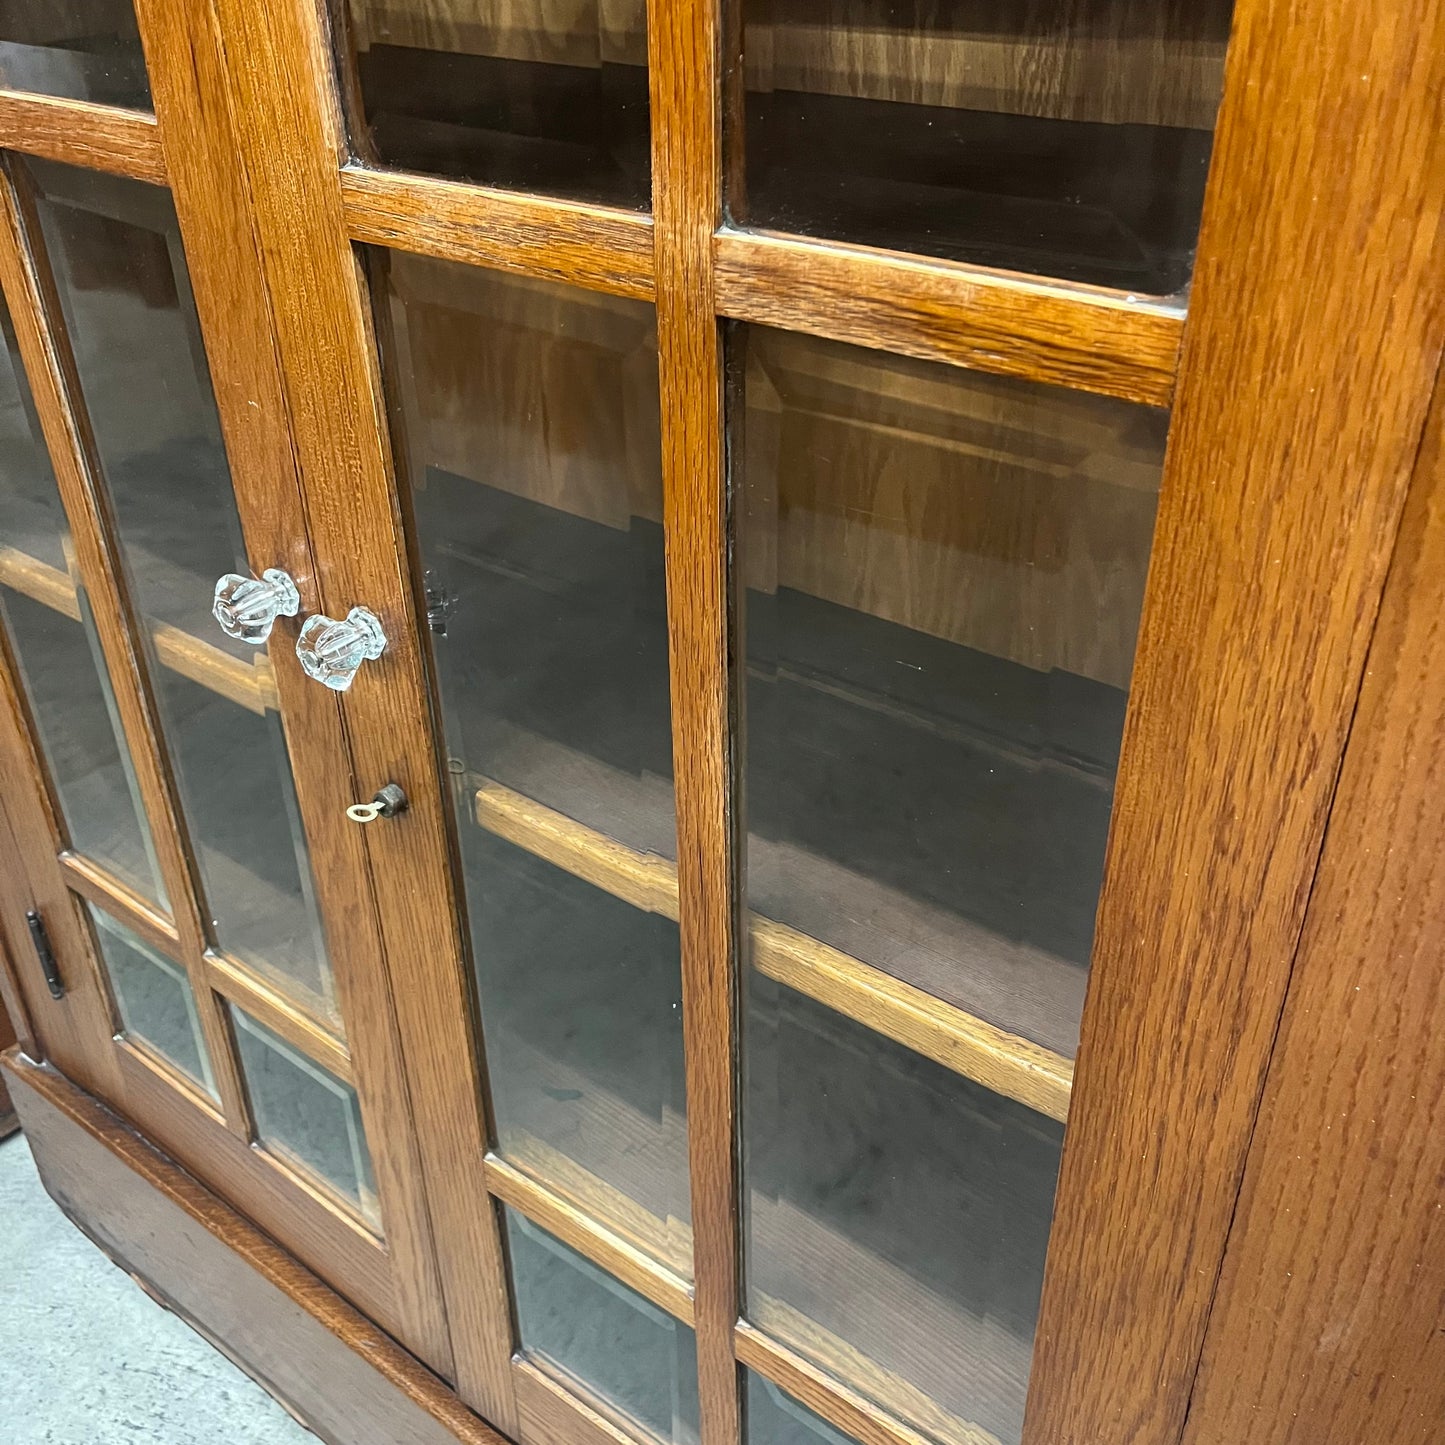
<point>1065,137</point>
<point>116,252</point>
<point>625,1356</point>
<point>154,998</point>
<point>939,577</point>
<point>80,49</point>
<point>775,1418</point>
<point>306,1116</point>
<point>46,615</point>
<point>527,414</point>
<point>526,96</point>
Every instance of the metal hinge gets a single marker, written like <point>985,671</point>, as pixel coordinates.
<point>45,954</point>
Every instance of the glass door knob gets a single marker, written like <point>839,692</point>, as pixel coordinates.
<point>332,651</point>
<point>247,607</point>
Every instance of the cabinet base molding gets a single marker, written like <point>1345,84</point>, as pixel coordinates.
<point>323,1361</point>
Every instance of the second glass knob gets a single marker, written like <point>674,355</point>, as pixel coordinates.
<point>331,651</point>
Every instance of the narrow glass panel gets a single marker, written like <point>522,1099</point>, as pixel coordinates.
<point>116,252</point>
<point>621,1352</point>
<point>154,997</point>
<point>775,1418</point>
<point>81,49</point>
<point>528,414</point>
<point>522,95</point>
<point>939,576</point>
<point>46,614</point>
<point>306,1116</point>
<point>1065,137</point>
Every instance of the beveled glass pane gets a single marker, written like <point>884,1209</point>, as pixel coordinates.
<point>46,614</point>
<point>528,419</point>
<point>306,1116</point>
<point>625,1356</point>
<point>775,1418</point>
<point>939,577</point>
<point>116,252</point>
<point>81,49</point>
<point>154,998</point>
<point>1065,137</point>
<point>522,95</point>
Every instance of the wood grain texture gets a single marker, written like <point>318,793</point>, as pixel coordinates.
<point>92,882</point>
<point>12,997</point>
<point>79,133</point>
<point>1327,1324</point>
<point>333,1368</point>
<point>578,1229</point>
<point>997,321</point>
<point>284,156</point>
<point>551,1412</point>
<point>1314,330</point>
<point>685,85</point>
<point>46,351</point>
<point>188,61</point>
<point>598,247</point>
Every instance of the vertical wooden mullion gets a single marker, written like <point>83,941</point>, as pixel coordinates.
<point>683,56</point>
<point>44,344</point>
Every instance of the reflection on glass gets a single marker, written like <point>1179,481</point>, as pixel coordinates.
<point>943,577</point>
<point>116,252</point>
<point>306,1116</point>
<point>775,1418</point>
<point>46,615</point>
<point>153,995</point>
<point>939,577</point>
<point>527,96</point>
<point>81,49</point>
<point>625,1356</point>
<point>1069,137</point>
<point>531,416</point>
<point>897,1216</point>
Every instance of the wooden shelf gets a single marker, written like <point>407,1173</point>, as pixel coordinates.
<point>1002,1062</point>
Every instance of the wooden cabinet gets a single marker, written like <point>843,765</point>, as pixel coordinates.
<point>675,677</point>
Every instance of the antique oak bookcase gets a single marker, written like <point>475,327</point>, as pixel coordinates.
<point>719,716</point>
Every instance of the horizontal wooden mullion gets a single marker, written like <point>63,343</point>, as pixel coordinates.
<point>1082,337</point>
<point>551,1413</point>
<point>272,1009</point>
<point>96,885</point>
<point>596,247</point>
<point>1002,1062</point>
<point>575,1228</point>
<point>80,133</point>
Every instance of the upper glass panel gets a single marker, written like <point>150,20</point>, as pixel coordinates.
<point>116,253</point>
<point>528,426</point>
<point>1064,137</point>
<point>625,1356</point>
<point>939,577</point>
<point>81,49</point>
<point>524,95</point>
<point>46,614</point>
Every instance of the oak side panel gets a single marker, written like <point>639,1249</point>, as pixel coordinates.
<point>80,133</point>
<point>9,1120</point>
<point>1311,344</point>
<point>996,321</point>
<point>278,84</point>
<point>189,63</point>
<point>1328,1324</point>
<point>329,1365</point>
<point>684,79</point>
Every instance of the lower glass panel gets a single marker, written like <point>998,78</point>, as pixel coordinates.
<point>46,614</point>
<point>81,49</point>
<point>775,1418</point>
<point>306,1116</point>
<point>115,249</point>
<point>897,1217</point>
<point>154,998</point>
<point>528,422</point>
<point>624,1355</point>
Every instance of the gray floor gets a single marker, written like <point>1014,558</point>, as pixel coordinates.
<point>86,1358</point>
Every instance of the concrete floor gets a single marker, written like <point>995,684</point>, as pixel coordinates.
<point>87,1358</point>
